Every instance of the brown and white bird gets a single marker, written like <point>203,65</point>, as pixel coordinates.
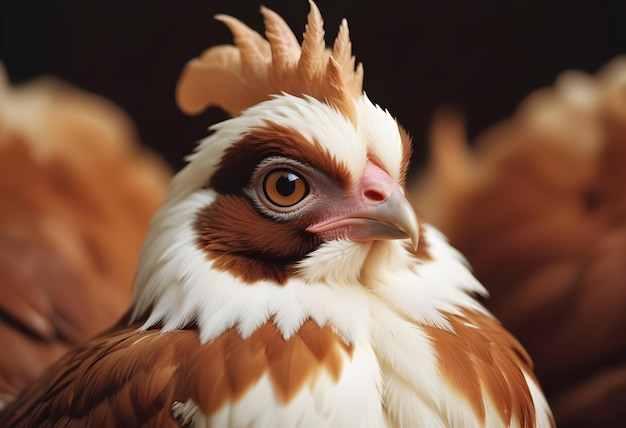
<point>287,280</point>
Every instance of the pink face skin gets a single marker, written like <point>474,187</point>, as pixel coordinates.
<point>374,209</point>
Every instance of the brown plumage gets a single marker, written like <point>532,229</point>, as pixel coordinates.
<point>160,368</point>
<point>468,356</point>
<point>76,195</point>
<point>539,209</point>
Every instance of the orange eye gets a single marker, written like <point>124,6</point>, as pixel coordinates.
<point>284,188</point>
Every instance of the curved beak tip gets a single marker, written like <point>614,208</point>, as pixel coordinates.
<point>415,239</point>
<point>394,218</point>
<point>407,222</point>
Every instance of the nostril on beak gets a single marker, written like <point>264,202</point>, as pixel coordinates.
<point>374,196</point>
<point>375,185</point>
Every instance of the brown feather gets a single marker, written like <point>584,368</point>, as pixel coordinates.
<point>130,378</point>
<point>248,245</point>
<point>240,159</point>
<point>76,196</point>
<point>483,356</point>
<point>289,366</point>
<point>407,151</point>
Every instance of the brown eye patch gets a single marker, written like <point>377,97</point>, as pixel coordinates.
<point>239,161</point>
<point>285,188</point>
<point>242,242</point>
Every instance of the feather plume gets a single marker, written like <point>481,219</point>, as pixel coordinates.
<point>240,76</point>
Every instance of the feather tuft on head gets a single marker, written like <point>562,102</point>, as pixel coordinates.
<point>237,77</point>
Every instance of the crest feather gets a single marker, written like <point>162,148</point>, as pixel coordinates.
<point>253,49</point>
<point>237,77</point>
<point>313,45</point>
<point>283,43</point>
<point>342,52</point>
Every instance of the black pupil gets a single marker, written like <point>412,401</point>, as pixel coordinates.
<point>286,184</point>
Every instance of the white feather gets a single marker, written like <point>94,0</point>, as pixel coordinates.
<point>380,131</point>
<point>541,404</point>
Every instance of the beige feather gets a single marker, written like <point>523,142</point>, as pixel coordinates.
<point>237,77</point>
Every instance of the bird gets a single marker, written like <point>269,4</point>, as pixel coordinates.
<point>76,196</point>
<point>287,280</point>
<point>536,203</point>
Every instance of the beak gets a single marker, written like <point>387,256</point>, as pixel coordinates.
<point>392,218</point>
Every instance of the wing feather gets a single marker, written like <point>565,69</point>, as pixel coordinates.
<point>132,378</point>
<point>480,357</point>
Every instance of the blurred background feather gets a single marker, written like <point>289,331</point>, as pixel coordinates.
<point>532,194</point>
<point>76,196</point>
<point>538,206</point>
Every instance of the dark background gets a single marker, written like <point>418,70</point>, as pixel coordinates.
<point>482,56</point>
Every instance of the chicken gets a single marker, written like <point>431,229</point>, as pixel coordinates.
<point>76,196</point>
<point>287,280</point>
<point>538,206</point>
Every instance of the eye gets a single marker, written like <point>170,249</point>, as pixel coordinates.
<point>284,188</point>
